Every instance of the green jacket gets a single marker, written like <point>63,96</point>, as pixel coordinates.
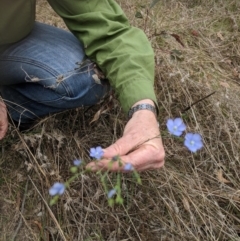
<point>122,52</point>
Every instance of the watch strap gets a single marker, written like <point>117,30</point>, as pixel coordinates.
<point>142,107</point>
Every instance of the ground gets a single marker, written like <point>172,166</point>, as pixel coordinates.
<point>195,196</point>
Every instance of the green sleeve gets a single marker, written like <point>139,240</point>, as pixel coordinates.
<point>122,52</point>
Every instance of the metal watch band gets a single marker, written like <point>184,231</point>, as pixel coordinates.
<point>141,107</point>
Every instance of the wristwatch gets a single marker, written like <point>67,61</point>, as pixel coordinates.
<point>142,107</point>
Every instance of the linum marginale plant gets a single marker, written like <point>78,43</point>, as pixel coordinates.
<point>193,141</point>
<point>176,127</point>
<point>113,192</point>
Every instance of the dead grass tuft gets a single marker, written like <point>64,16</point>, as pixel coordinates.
<point>194,197</point>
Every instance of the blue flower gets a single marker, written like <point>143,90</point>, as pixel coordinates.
<point>77,162</point>
<point>193,142</point>
<point>57,189</point>
<point>176,126</point>
<point>96,152</point>
<point>111,193</point>
<point>128,167</point>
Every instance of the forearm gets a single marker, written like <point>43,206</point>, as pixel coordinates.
<point>122,52</point>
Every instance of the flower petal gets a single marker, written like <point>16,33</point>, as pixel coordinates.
<point>199,145</point>
<point>190,147</point>
<point>98,148</point>
<point>61,190</point>
<point>187,144</point>
<point>193,149</point>
<point>189,136</point>
<point>111,193</point>
<point>197,137</point>
<point>178,121</point>
<point>53,191</point>
<point>96,152</point>
<point>92,152</point>
<point>128,167</point>
<point>77,162</point>
<point>57,188</point>
<point>182,127</point>
<point>170,125</point>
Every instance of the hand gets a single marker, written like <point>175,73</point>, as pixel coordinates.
<point>3,120</point>
<point>140,145</point>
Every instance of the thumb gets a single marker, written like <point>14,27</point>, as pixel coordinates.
<point>121,147</point>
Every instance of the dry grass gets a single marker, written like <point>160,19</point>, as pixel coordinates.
<point>194,197</point>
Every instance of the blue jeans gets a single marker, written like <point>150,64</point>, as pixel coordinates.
<point>48,72</point>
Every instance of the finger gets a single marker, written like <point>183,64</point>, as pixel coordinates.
<point>125,145</point>
<point>120,147</point>
<point>145,158</point>
<point>3,130</point>
<point>106,165</point>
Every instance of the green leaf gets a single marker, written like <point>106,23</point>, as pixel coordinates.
<point>177,55</point>
<point>73,169</point>
<point>119,200</point>
<point>138,15</point>
<point>54,200</point>
<point>110,202</point>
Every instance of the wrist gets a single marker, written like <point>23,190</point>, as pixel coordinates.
<point>146,107</point>
<point>145,101</point>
